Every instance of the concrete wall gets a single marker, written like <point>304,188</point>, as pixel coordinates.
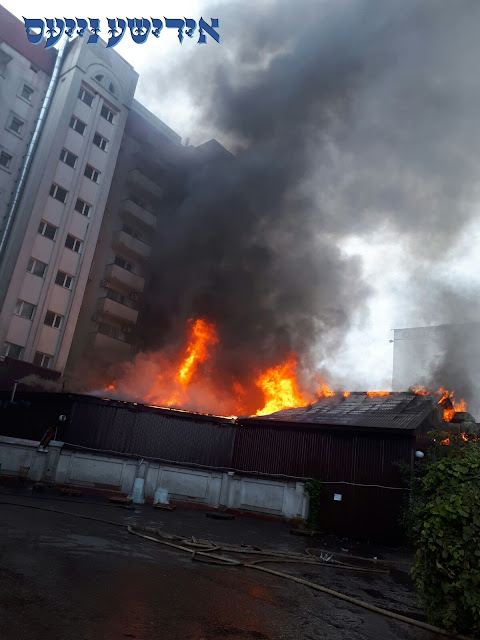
<point>213,488</point>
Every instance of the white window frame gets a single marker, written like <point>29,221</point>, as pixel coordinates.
<point>31,267</point>
<point>81,95</point>
<point>77,244</point>
<point>6,350</point>
<point>54,191</point>
<point>103,141</point>
<point>20,306</point>
<point>10,124</point>
<point>74,121</point>
<point>68,155</point>
<point>86,208</point>
<point>9,159</point>
<point>126,263</point>
<point>95,174</point>
<point>45,224</point>
<point>67,280</point>
<point>30,92</point>
<point>109,116</point>
<point>45,360</point>
<point>57,320</point>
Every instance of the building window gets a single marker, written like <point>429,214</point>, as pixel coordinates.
<point>47,230</point>
<point>73,243</point>
<point>100,141</point>
<point>24,309</point>
<point>92,173</point>
<point>136,200</point>
<point>120,262</point>
<point>42,360</point>
<point>16,125</point>
<point>36,267</point>
<point>12,350</point>
<point>5,159</point>
<point>68,158</point>
<point>58,193</point>
<point>107,114</point>
<point>78,125</point>
<point>99,77</point>
<point>64,280</point>
<point>27,92</point>
<point>85,97</point>
<point>115,296</point>
<point>82,207</point>
<point>112,332</point>
<point>130,231</point>
<point>53,320</point>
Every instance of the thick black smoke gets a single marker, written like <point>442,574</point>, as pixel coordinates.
<point>345,117</point>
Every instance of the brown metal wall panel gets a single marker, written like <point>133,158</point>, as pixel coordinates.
<point>332,456</point>
<point>150,434</point>
<point>363,512</point>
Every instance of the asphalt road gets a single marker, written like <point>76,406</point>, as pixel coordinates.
<point>63,577</point>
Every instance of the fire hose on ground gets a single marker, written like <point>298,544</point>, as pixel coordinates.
<point>201,549</point>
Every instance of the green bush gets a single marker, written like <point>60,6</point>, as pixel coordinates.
<point>314,490</point>
<point>446,532</point>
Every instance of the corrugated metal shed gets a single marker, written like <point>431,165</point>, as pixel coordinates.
<point>121,427</point>
<point>154,433</point>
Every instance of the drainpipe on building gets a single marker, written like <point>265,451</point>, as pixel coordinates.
<point>12,397</point>
<point>31,149</point>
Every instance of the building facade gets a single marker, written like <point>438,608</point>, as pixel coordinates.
<point>120,271</point>
<point>76,238</point>
<point>439,356</point>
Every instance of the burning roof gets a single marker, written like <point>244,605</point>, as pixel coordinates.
<point>362,409</point>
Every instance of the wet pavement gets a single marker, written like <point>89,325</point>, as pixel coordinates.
<point>64,577</point>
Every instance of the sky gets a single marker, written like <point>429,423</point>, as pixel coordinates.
<point>401,267</point>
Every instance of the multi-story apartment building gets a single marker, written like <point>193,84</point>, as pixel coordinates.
<point>88,181</point>
<point>120,271</point>
<point>47,256</point>
<point>25,74</point>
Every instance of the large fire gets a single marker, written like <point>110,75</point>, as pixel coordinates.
<point>280,389</point>
<point>186,378</point>
<point>447,400</point>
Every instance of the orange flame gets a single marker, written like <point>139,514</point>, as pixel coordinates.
<point>279,386</point>
<point>186,379</point>
<point>450,405</point>
<point>420,390</point>
<point>203,336</point>
<point>324,391</point>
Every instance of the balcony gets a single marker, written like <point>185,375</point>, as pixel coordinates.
<point>112,345</point>
<point>131,245</point>
<point>140,182</point>
<point>139,213</point>
<point>116,310</point>
<point>123,277</point>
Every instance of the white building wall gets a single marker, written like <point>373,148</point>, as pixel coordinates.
<point>282,498</point>
<point>81,65</point>
<point>15,72</point>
